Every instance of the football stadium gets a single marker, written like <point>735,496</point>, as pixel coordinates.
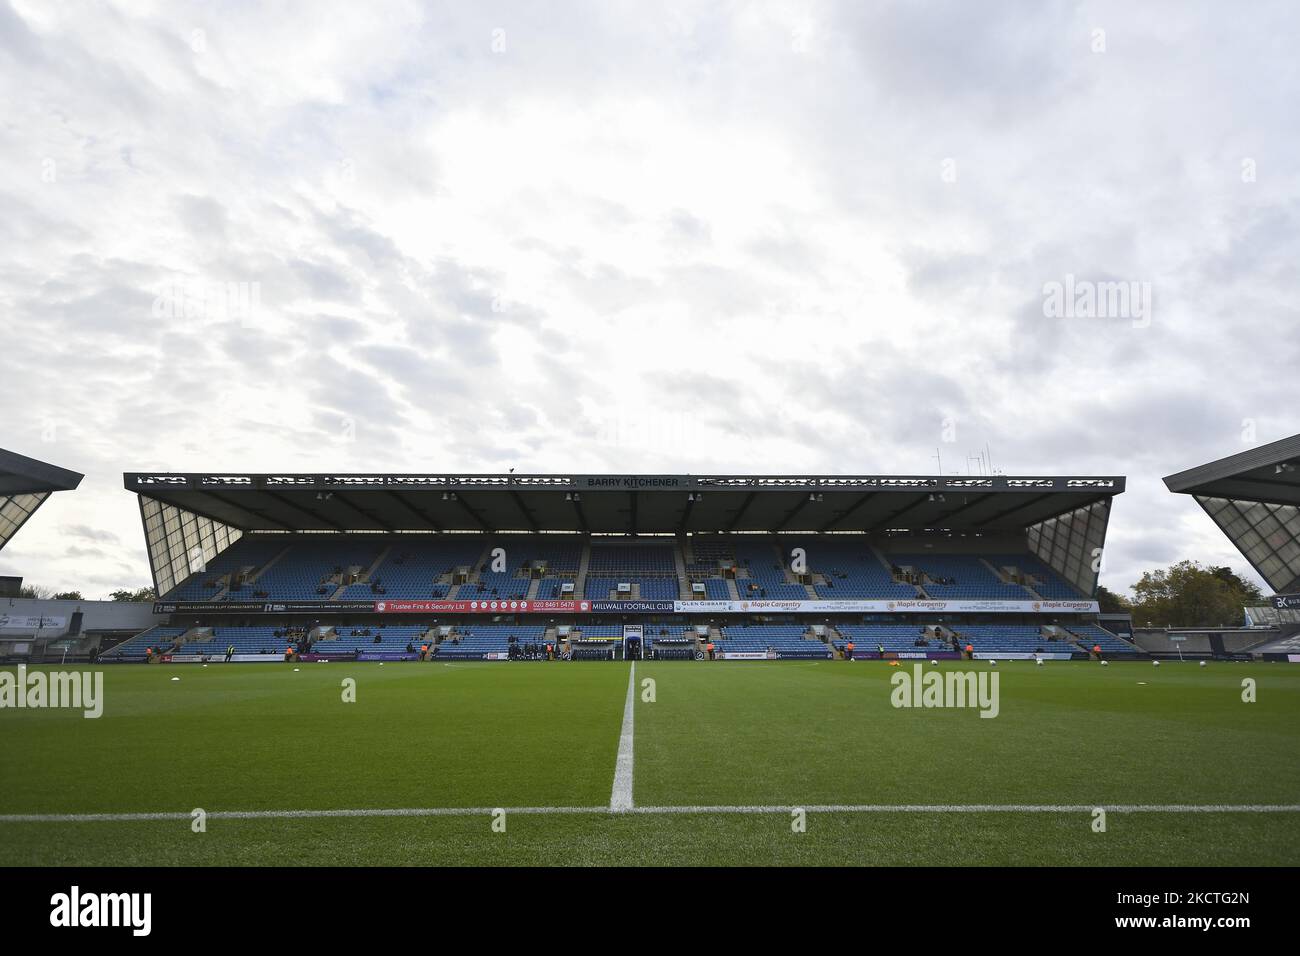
<point>711,456</point>
<point>664,670</point>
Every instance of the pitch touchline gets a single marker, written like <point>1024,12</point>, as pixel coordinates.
<point>654,811</point>
<point>620,798</point>
<point>986,808</point>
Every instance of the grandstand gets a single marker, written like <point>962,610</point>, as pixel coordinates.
<point>25,485</point>
<point>1254,499</point>
<point>34,630</point>
<point>759,566</point>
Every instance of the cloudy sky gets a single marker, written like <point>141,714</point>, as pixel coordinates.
<point>750,237</point>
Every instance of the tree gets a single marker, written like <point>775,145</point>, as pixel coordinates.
<point>36,592</point>
<point>69,596</point>
<point>1112,603</point>
<point>143,594</point>
<point>1190,594</point>
<point>1250,591</point>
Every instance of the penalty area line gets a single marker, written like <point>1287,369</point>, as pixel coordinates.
<point>300,814</point>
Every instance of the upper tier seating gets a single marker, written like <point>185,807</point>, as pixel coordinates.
<point>851,570</point>
<point>311,567</point>
<point>761,574</point>
<point>1048,583</point>
<point>650,589</point>
<point>969,577</point>
<point>651,567</point>
<point>250,551</point>
<point>303,573</point>
<point>413,566</point>
<point>560,554</point>
<point>715,589</point>
<point>709,554</point>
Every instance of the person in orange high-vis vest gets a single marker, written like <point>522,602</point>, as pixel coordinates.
<point>288,654</point>
<point>970,652</point>
<point>424,652</point>
<point>1096,650</point>
<point>709,647</point>
<point>848,651</point>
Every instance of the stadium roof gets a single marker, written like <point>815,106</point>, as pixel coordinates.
<point>1254,498</point>
<point>25,483</point>
<point>622,504</point>
<point>1269,473</point>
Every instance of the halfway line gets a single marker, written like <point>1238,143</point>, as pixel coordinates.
<point>620,799</point>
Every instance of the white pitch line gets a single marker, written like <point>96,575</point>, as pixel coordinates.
<point>620,798</point>
<point>296,814</point>
<point>299,814</point>
<point>984,808</point>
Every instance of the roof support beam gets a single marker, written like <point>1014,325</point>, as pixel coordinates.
<point>523,510</point>
<point>916,503</point>
<point>369,516</point>
<point>978,500</point>
<point>577,510</point>
<point>686,514</point>
<point>790,515</point>
<point>998,516</point>
<point>275,496</point>
<point>459,498</point>
<point>740,512</point>
<point>419,513</point>
<point>256,514</point>
<point>851,509</point>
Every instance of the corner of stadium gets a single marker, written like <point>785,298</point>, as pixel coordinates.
<point>1253,497</point>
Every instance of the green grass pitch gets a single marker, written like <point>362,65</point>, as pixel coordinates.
<point>515,735</point>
